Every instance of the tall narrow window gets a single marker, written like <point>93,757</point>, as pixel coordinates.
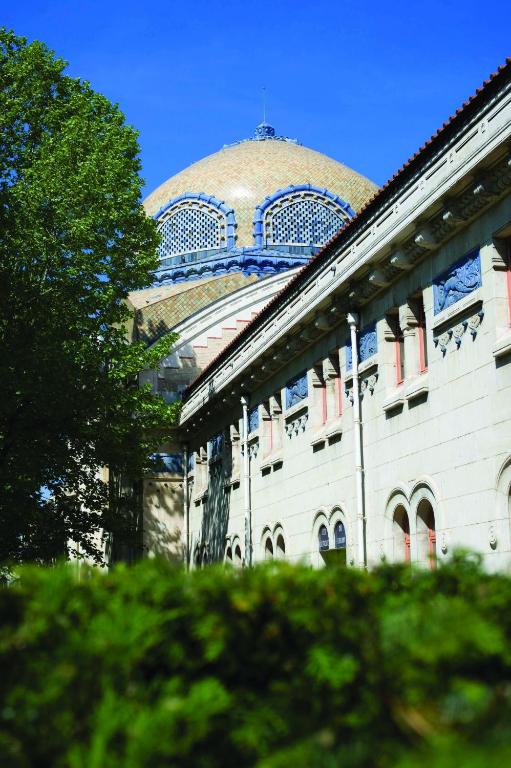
<point>340,535</point>
<point>323,540</point>
<point>320,399</point>
<point>333,384</point>
<point>268,549</point>
<point>422,338</point>
<point>399,346</point>
<point>267,428</point>
<point>280,547</point>
<point>398,343</point>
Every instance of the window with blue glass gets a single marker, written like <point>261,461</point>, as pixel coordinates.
<point>339,535</point>
<point>323,539</point>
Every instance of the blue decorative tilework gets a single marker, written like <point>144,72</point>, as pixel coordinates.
<point>215,445</point>
<point>167,462</point>
<point>195,222</point>
<point>367,346</point>
<point>463,277</point>
<point>253,419</point>
<point>296,390</point>
<point>248,261</point>
<point>300,214</point>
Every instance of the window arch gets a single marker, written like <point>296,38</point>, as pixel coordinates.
<point>228,555</point>
<point>401,535</point>
<point>194,222</point>
<point>268,548</point>
<point>238,562</point>
<point>301,215</point>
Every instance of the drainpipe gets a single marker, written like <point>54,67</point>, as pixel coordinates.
<point>353,320</point>
<point>186,509</point>
<point>246,485</point>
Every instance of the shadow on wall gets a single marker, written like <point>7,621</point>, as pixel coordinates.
<point>163,521</point>
<point>215,518</point>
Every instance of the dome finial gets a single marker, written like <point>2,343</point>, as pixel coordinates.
<point>264,130</point>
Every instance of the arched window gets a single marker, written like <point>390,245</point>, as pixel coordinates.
<point>323,540</point>
<point>300,215</point>
<point>401,530</point>
<point>237,556</point>
<point>426,534</point>
<point>194,222</point>
<point>339,535</point>
<point>280,547</point>
<point>268,549</point>
<point>228,555</point>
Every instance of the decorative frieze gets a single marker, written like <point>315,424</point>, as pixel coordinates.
<point>367,346</point>
<point>253,419</point>
<point>171,463</point>
<point>463,277</point>
<point>296,390</point>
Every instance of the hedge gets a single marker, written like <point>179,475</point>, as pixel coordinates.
<point>269,667</point>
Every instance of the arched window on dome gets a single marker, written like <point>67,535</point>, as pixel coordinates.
<point>194,223</point>
<point>300,215</point>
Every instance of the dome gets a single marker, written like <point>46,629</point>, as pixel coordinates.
<point>243,175</point>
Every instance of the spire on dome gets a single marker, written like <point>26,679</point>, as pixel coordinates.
<point>264,131</point>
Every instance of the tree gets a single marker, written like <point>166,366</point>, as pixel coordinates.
<point>74,241</point>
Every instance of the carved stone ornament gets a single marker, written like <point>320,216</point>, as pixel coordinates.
<point>492,537</point>
<point>443,544</point>
<point>253,449</point>
<point>297,425</point>
<point>369,384</point>
<point>458,332</point>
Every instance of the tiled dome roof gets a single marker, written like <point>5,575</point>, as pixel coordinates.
<point>244,174</point>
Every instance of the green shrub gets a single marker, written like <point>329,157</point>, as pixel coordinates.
<point>271,667</point>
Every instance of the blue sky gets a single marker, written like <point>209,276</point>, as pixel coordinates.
<point>364,82</point>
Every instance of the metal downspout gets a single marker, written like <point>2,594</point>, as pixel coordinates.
<point>353,320</point>
<point>246,485</point>
<point>186,509</point>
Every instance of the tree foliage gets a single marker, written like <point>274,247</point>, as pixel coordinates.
<point>268,667</point>
<point>74,241</point>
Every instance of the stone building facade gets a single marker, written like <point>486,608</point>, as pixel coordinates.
<point>365,411</point>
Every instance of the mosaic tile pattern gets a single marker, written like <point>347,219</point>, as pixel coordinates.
<point>244,174</point>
